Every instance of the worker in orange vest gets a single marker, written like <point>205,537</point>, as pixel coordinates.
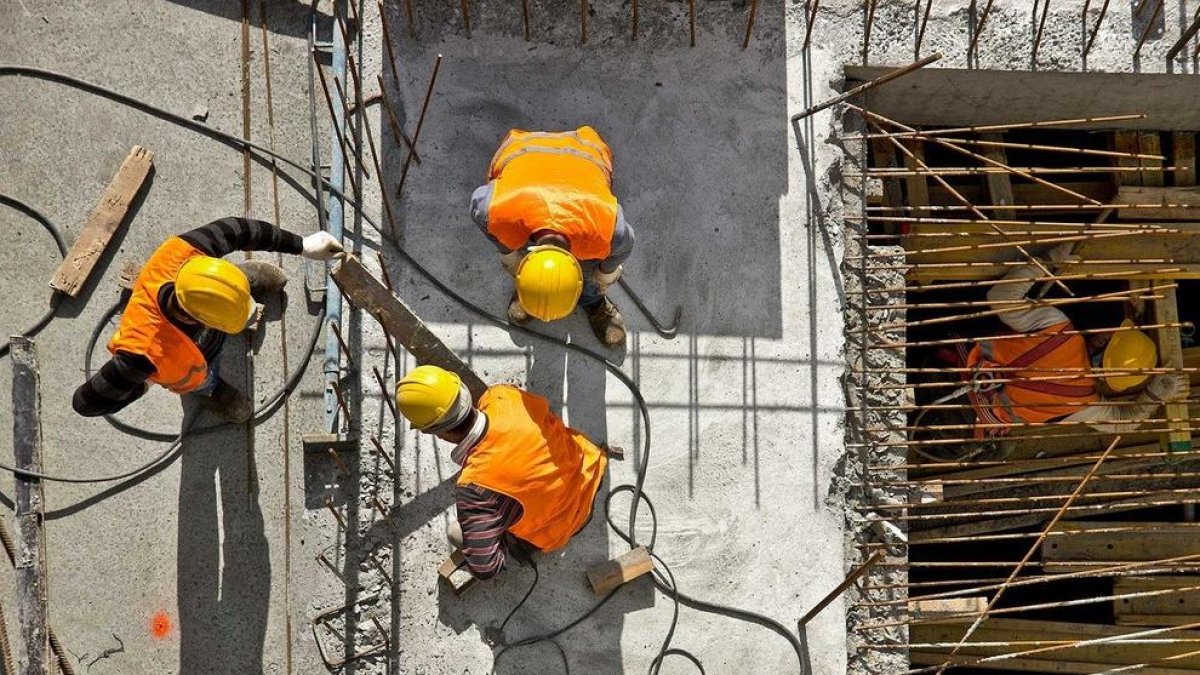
<point>1030,368</point>
<point>548,205</point>
<point>185,301</point>
<point>528,481</point>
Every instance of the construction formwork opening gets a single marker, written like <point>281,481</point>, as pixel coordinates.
<point>1047,532</point>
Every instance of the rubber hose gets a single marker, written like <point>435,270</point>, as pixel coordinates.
<point>55,297</point>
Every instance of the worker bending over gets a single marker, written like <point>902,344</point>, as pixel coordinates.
<point>548,205</point>
<point>1049,346</point>
<point>527,482</point>
<point>185,301</point>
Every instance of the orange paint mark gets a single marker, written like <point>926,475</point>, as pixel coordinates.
<point>160,625</point>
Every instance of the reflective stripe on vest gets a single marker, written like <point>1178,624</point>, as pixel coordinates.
<point>528,454</point>
<point>144,329</point>
<point>557,182</point>
<point>1025,398</point>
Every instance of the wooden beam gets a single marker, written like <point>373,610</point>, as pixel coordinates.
<point>33,653</point>
<point>1100,656</point>
<point>399,321</point>
<point>999,185</point>
<point>103,223</point>
<point>1150,143</point>
<point>1160,541</point>
<point>1183,157</point>
<point>1170,606</point>
<point>610,574</point>
<point>1170,355</point>
<point>1179,203</point>
<point>1126,142</point>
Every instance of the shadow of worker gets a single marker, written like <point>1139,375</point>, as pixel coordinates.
<point>224,570</point>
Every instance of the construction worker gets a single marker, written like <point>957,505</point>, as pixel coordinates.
<point>549,207</point>
<point>185,301</point>
<point>527,482</point>
<point>1049,346</point>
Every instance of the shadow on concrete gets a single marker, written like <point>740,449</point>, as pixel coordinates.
<point>286,17</point>
<point>224,568</point>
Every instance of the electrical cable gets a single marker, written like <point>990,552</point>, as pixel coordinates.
<point>666,584</point>
<point>55,297</point>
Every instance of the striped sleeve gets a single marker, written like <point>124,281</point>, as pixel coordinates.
<point>118,383</point>
<point>485,517</point>
<point>222,237</point>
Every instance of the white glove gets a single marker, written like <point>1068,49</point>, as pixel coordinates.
<point>605,279</point>
<point>1062,253</point>
<point>511,261</point>
<point>1168,387</point>
<point>321,246</point>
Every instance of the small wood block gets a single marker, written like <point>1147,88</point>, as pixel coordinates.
<point>454,572</point>
<point>130,270</point>
<point>947,607</point>
<point>103,222</point>
<point>625,568</point>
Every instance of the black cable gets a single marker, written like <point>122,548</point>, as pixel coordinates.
<point>636,488</point>
<point>55,297</point>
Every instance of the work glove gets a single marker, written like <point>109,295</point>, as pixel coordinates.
<point>1168,387</point>
<point>321,246</point>
<point>511,261</point>
<point>1062,253</point>
<point>605,279</point>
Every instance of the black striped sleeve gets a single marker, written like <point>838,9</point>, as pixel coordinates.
<point>118,383</point>
<point>485,517</point>
<point>222,237</point>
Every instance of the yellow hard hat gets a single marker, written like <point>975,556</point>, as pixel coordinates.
<point>1132,350</point>
<point>427,394</point>
<point>549,282</point>
<point>214,292</point>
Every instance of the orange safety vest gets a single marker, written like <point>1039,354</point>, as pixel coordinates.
<point>146,330</point>
<point>528,454</point>
<point>1036,355</point>
<point>555,181</point>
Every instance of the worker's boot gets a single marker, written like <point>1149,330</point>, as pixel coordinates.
<point>265,278</point>
<point>607,323</point>
<point>516,313</point>
<point>228,403</point>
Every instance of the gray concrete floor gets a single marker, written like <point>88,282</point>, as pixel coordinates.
<point>734,223</point>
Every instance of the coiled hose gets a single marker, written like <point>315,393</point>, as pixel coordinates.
<point>663,580</point>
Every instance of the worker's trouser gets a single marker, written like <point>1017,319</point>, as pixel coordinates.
<point>214,376</point>
<point>592,295</point>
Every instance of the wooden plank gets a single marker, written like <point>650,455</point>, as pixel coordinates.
<point>103,222</point>
<point>1150,143</point>
<point>916,187</point>
<point>33,652</point>
<point>1179,603</point>
<point>370,295</point>
<point>610,574</point>
<point>999,185</point>
<point>947,607</point>
<point>1020,630</point>
<point>1126,141</point>
<point>1170,355</point>
<point>1160,541</point>
<point>1188,197</point>
<point>1183,157</point>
